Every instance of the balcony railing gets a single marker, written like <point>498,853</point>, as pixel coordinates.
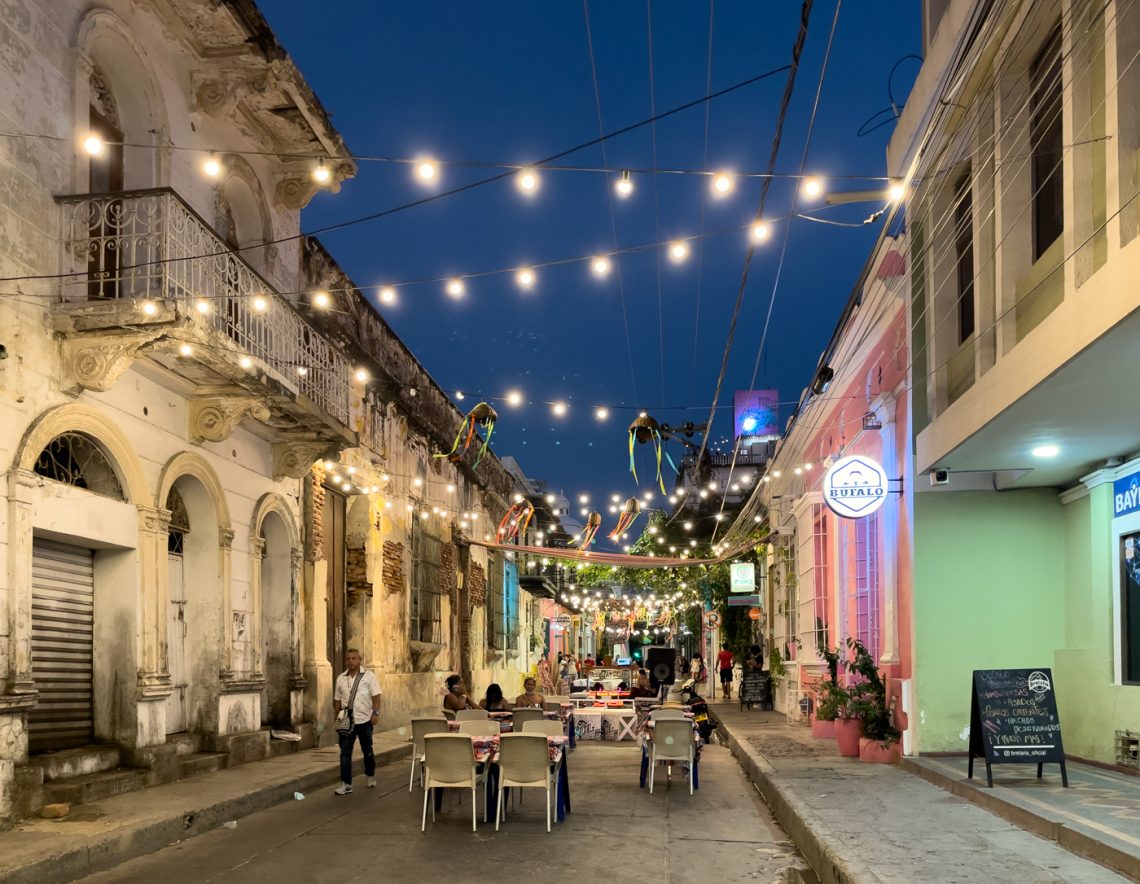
<point>149,244</point>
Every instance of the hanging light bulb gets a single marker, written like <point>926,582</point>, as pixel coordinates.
<point>427,170</point>
<point>525,278</point>
<point>559,408</point>
<point>149,308</point>
<point>260,303</point>
<point>812,187</point>
<point>723,184</point>
<point>514,398</point>
<point>212,167</point>
<point>459,396</point>
<point>387,295</point>
<point>245,362</point>
<point>896,192</point>
<point>601,413</point>
<point>678,251</point>
<point>760,231</point>
<point>302,371</point>
<point>455,287</point>
<point>361,376</point>
<point>600,265</point>
<point>583,498</point>
<point>527,181</point>
<point>321,173</point>
<point>624,185</point>
<point>186,350</point>
<point>93,144</point>
<point>321,300</point>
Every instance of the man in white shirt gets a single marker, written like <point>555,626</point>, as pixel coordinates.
<point>365,714</point>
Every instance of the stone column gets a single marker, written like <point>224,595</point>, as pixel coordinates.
<point>256,550</point>
<point>16,603</point>
<point>225,565</point>
<point>154,577</point>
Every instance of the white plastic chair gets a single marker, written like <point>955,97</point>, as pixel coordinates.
<point>658,714</point>
<point>420,728</point>
<point>552,705</point>
<point>524,762</point>
<point>450,764</point>
<point>521,716</point>
<point>544,727</point>
<point>672,741</point>
<point>484,728</point>
<point>448,715</point>
<point>471,715</point>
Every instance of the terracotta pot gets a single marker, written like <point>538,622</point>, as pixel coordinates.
<point>872,751</point>
<point>847,733</point>
<point>824,730</point>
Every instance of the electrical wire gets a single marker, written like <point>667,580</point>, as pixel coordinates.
<point>656,205</point>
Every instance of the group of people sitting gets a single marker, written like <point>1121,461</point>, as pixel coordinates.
<point>457,698</point>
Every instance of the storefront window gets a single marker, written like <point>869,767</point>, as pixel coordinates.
<point>1130,607</point>
<point>867,583</point>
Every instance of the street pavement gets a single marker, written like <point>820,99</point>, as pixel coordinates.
<point>616,832</point>
<point>858,822</point>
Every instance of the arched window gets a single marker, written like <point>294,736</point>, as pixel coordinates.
<point>75,459</point>
<point>179,523</point>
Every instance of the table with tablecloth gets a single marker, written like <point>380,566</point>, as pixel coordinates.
<point>486,751</point>
<point>645,736</point>
<point>601,723</point>
<point>505,720</point>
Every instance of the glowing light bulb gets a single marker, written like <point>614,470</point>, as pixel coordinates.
<point>321,300</point>
<point>260,303</point>
<point>387,295</point>
<point>186,350</point>
<point>616,498</point>
<point>678,251</point>
<point>600,265</point>
<point>361,376</point>
<point>624,185</point>
<point>427,170</point>
<point>601,413</point>
<point>93,145</point>
<point>525,278</point>
<point>723,183</point>
<point>812,187</point>
<point>245,362</point>
<point>149,308</point>
<point>302,371</point>
<point>760,231</point>
<point>559,408</point>
<point>527,181</point>
<point>202,306</point>
<point>321,173</point>
<point>896,192</point>
<point>455,287</point>
<point>459,395</point>
<point>212,167</point>
<point>514,398</point>
<point>807,466</point>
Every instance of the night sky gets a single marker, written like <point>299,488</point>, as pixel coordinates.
<point>511,83</point>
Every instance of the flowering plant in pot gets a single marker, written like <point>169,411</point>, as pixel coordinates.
<point>869,705</point>
<point>829,697</point>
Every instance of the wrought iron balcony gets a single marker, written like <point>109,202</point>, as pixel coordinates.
<point>149,275</point>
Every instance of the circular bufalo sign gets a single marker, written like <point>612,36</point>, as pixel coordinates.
<point>854,487</point>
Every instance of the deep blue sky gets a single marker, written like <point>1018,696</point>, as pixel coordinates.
<point>511,82</point>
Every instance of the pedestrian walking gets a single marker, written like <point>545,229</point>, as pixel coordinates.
<point>724,664</point>
<point>356,699</point>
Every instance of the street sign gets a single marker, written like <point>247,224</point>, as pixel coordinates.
<point>712,620</point>
<point>754,614</point>
<point>854,487</point>
<point>742,577</point>
<point>564,620</point>
<point>743,601</point>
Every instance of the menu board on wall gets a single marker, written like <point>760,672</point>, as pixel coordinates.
<point>1013,720</point>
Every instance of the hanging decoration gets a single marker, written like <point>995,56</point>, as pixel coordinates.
<point>645,429</point>
<point>483,416</point>
<point>515,522</point>
<point>586,537</point>
<point>629,513</point>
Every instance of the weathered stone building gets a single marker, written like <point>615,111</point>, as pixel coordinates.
<point>211,487</point>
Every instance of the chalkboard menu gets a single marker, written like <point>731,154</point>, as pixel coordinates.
<point>754,686</point>
<point>1013,720</point>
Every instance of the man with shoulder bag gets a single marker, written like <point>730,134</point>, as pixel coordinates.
<point>356,699</point>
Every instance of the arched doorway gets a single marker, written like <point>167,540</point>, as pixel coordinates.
<point>277,605</point>
<point>194,628</point>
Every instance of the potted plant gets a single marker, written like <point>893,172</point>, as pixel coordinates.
<point>879,738</point>
<point>829,697</point>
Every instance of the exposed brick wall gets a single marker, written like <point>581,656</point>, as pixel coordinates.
<point>315,549</point>
<point>447,584</point>
<point>478,584</point>
<point>356,568</point>
<point>393,566</point>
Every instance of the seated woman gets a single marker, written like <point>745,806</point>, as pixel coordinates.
<point>456,697</point>
<point>598,686</point>
<point>643,688</point>
<point>494,701</point>
<point>530,695</point>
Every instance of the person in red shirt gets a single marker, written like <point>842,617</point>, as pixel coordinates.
<point>724,664</point>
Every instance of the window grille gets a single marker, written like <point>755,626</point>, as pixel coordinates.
<point>425,619</point>
<point>867,583</point>
<point>74,459</point>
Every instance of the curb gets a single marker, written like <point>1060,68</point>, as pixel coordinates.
<point>801,823</point>
<point>1054,830</point>
<point>101,852</point>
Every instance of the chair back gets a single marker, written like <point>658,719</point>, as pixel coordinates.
<point>448,715</point>
<point>673,739</point>
<point>544,727</point>
<point>551,706</point>
<point>522,716</point>
<point>558,700</point>
<point>524,760</point>
<point>471,715</point>
<point>422,727</point>
<point>484,728</point>
<point>450,760</point>
<point>659,714</point>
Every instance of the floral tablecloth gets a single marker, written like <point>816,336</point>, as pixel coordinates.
<point>487,748</point>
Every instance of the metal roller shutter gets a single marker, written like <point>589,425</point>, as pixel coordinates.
<point>63,596</point>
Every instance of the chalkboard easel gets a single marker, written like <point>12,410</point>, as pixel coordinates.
<point>754,688</point>
<point>1013,720</point>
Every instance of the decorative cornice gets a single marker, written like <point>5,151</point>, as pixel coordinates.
<point>232,684</point>
<point>226,538</point>
<point>213,419</point>
<point>156,520</point>
<point>294,459</point>
<point>98,364</point>
<point>18,701</point>
<point>154,686</point>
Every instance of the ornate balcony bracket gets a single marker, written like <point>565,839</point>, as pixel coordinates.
<point>214,418</point>
<point>96,362</point>
<point>294,458</point>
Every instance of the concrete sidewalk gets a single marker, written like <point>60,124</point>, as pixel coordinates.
<point>100,836</point>
<point>857,822</point>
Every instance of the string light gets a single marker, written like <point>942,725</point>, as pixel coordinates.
<point>321,300</point>
<point>245,362</point>
<point>601,413</point>
<point>527,181</point>
<point>361,376</point>
<point>678,251</point>
<point>212,167</point>
<point>723,184</point>
<point>760,231</point>
<point>302,371</point>
<point>525,278</point>
<point>812,187</point>
<point>616,498</point>
<point>149,308</point>
<point>186,350</point>
<point>624,185</point>
<point>600,265</point>
<point>93,144</point>
<point>260,303</point>
<point>427,170</point>
<point>202,306</point>
<point>455,287</point>
<point>459,396</point>
<point>321,173</point>
<point>808,466</point>
<point>514,398</point>
<point>559,408</point>
<point>896,192</point>
<point>387,295</point>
